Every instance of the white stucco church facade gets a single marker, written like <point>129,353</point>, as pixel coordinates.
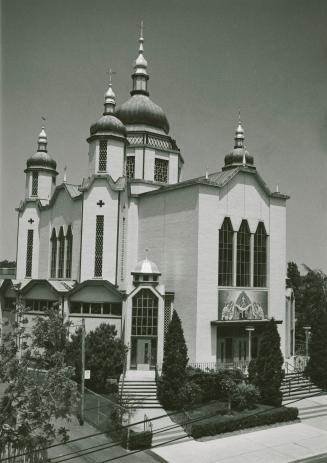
<point>133,241</point>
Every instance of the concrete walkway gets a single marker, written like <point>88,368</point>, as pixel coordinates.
<point>280,444</point>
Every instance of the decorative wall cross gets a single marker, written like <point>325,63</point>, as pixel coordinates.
<point>31,221</point>
<point>100,203</point>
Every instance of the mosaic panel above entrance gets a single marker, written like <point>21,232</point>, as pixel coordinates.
<point>236,304</point>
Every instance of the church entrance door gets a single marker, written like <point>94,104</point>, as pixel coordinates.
<point>143,356</point>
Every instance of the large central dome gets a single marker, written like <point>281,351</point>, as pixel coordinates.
<point>141,110</point>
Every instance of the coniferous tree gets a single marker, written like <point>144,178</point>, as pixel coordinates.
<point>317,365</point>
<point>174,365</point>
<point>268,373</point>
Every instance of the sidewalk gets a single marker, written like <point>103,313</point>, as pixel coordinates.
<point>281,444</point>
<point>100,441</point>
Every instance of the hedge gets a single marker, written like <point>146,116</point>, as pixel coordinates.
<point>233,423</point>
<point>137,440</point>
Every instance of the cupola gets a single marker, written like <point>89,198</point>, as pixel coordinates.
<point>41,171</point>
<point>139,109</point>
<point>146,272</point>
<point>239,156</point>
<point>108,122</point>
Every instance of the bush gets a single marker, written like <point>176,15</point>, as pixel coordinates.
<point>266,372</point>
<point>275,415</point>
<point>245,396</point>
<point>174,365</point>
<point>190,393</point>
<point>137,440</point>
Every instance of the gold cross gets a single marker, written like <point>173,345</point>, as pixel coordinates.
<point>111,73</point>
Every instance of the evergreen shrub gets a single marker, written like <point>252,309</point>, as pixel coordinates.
<point>245,396</point>
<point>175,360</point>
<point>266,372</point>
<point>233,423</point>
<point>136,440</point>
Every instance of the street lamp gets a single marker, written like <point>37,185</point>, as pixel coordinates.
<point>307,330</point>
<point>249,329</point>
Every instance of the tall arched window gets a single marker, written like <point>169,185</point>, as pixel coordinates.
<point>69,252</point>
<point>61,254</point>
<point>260,257</point>
<point>243,255</point>
<point>225,265</point>
<point>53,254</point>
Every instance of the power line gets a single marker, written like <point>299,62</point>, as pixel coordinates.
<point>117,443</point>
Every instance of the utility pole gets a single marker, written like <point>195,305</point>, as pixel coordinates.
<point>82,374</point>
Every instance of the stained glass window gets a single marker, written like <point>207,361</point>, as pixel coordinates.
<point>161,170</point>
<point>99,228</point>
<point>69,252</point>
<point>260,256</point>
<point>130,167</point>
<point>243,255</point>
<point>53,254</point>
<point>29,253</point>
<point>103,156</point>
<point>225,271</point>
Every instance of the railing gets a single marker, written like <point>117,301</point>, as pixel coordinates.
<point>213,366</point>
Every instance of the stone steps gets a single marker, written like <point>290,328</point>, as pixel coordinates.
<point>295,386</point>
<point>139,393</point>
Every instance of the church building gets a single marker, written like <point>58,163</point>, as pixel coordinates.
<point>133,241</point>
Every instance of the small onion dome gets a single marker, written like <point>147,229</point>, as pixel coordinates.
<point>146,266</point>
<point>141,110</point>
<point>42,158</point>
<point>109,122</point>
<point>239,155</point>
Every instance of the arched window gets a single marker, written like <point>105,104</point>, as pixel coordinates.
<point>260,257</point>
<point>53,254</point>
<point>61,254</point>
<point>69,252</point>
<point>225,266</point>
<point>243,255</point>
<point>145,314</point>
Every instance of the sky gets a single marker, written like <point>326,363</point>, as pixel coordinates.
<point>207,60</point>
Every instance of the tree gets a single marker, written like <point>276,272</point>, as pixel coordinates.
<point>51,334</point>
<point>317,364</point>
<point>175,360</point>
<point>294,281</point>
<point>105,355</point>
<point>314,295</point>
<point>266,371</point>
<point>33,398</point>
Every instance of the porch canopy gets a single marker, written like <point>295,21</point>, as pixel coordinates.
<point>240,323</point>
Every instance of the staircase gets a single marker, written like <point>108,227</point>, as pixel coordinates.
<point>139,389</point>
<point>296,386</point>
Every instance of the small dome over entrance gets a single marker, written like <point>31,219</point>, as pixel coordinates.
<point>146,272</point>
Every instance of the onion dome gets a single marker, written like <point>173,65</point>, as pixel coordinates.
<point>140,109</point>
<point>239,156</point>
<point>42,159</point>
<point>109,122</point>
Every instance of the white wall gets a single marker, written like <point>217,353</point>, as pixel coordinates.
<point>100,190</point>
<point>168,227</point>
<point>31,211</point>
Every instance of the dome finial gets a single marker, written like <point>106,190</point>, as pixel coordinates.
<point>239,133</point>
<point>140,75</point>
<point>109,97</point>
<point>42,141</point>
